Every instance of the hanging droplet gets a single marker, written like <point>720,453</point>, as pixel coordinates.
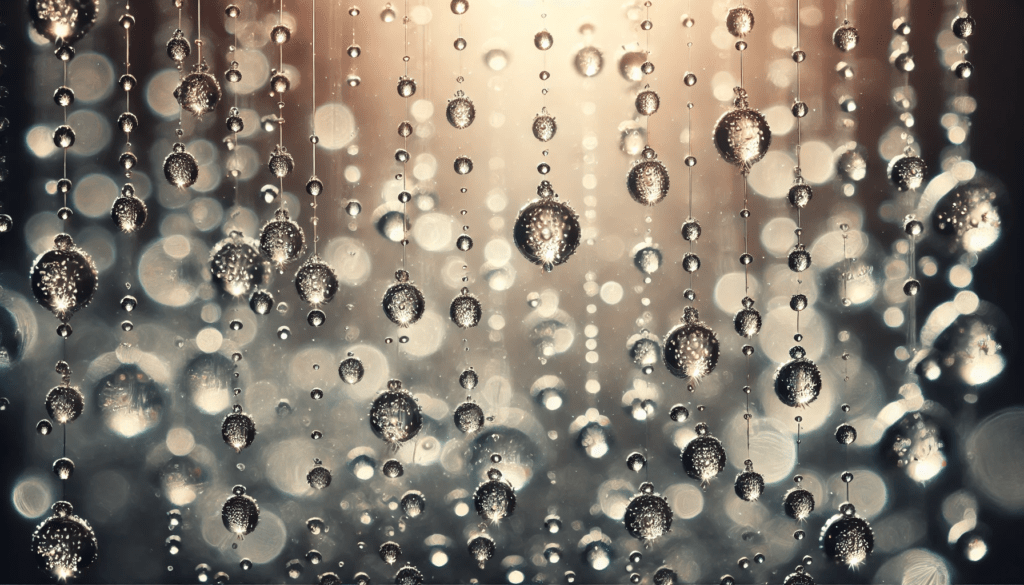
<point>749,485</point>
<point>544,126</point>
<point>691,262</point>
<point>798,382</point>
<point>748,321</point>
<point>648,180</point>
<point>240,513</point>
<point>543,40</point>
<point>178,48</point>
<point>314,186</point>
<point>280,34</point>
<point>180,168</point>
<point>406,87</point>
<point>63,543</point>
<point>742,135</point>
<point>800,195</point>
<point>261,302</point>
<point>392,469</point>
<point>963,26</point>
<point>394,416</point>
<point>63,468</point>
<point>390,552</point>
<point>281,162</point>
<point>316,281</point>
<point>740,21</point>
<point>460,112</point>
<point>911,287</point>
<point>281,239</point>
<point>845,38</point>
<point>464,243</point>
<point>351,370</point>
<point>199,91</point>
<point>463,165</point>
<point>63,136</point>
<point>703,457</point>
<point>799,259</point>
<point>64,96</point>
<point>319,477</point>
<point>691,348</point>
<point>403,303</point>
<point>238,430</point>
<point>636,462</point>
<point>465,310</point>
<point>481,548</point>
<point>468,379</point>
<point>647,102</point>
<point>846,434</point>
<point>495,499</point>
<point>128,160</point>
<point>847,538</point>
<point>63,278</point>
<point>679,413</point>
<point>907,172</point>
<point>547,231</point>
<point>469,417</point>
<point>648,515</point>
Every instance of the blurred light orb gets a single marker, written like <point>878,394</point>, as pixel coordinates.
<point>130,401</point>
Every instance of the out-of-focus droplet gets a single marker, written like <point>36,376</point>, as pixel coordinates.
<point>740,21</point>
<point>481,548</point>
<point>589,61</point>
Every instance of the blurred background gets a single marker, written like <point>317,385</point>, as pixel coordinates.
<point>939,457</point>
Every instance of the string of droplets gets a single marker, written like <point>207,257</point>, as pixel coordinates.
<point>403,302</point>
<point>465,310</point>
<point>315,281</point>
<point>748,484</point>
<point>128,211</point>
<point>63,280</point>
